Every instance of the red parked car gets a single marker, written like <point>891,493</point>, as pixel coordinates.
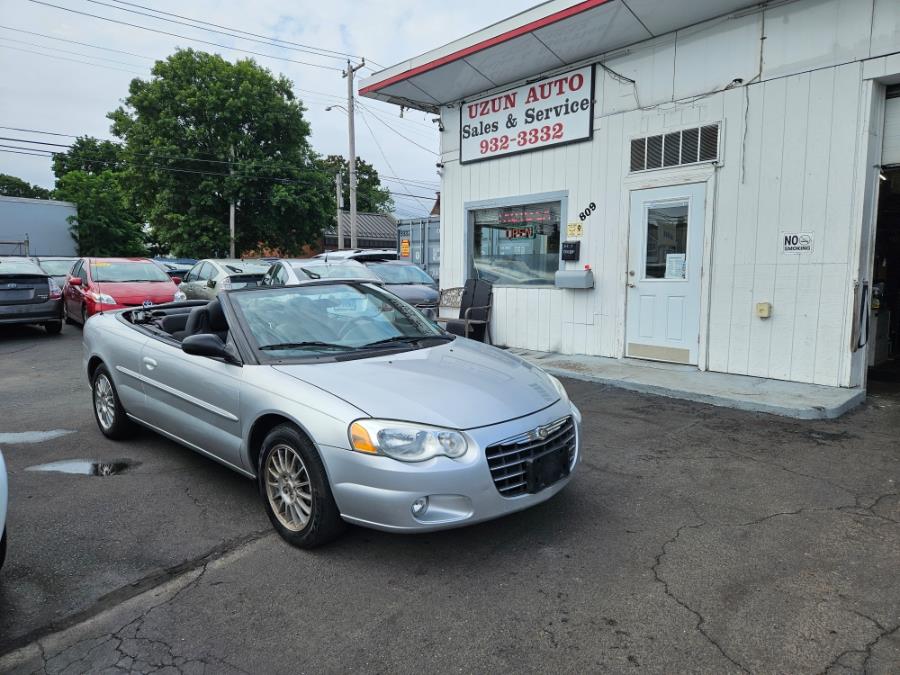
<point>103,284</point>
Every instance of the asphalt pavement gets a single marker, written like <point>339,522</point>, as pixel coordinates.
<point>692,539</point>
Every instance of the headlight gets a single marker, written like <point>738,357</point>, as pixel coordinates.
<point>560,389</point>
<point>103,298</point>
<point>179,297</point>
<point>405,442</point>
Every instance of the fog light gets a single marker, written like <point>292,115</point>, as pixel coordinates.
<point>419,506</point>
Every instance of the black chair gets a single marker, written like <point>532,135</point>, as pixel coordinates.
<point>474,312</point>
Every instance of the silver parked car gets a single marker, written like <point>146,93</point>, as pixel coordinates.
<point>289,272</point>
<point>343,402</point>
<point>206,278</point>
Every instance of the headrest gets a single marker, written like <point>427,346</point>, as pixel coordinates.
<point>217,322</point>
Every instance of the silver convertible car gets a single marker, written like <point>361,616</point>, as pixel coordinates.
<point>344,403</point>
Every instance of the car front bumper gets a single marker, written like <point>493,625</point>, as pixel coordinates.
<point>38,312</point>
<point>378,492</point>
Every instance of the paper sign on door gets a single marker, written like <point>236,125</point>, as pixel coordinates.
<point>675,265</point>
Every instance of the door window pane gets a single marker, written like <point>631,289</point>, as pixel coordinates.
<point>666,241</point>
<point>517,244</point>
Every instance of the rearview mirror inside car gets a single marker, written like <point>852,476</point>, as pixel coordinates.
<point>207,344</point>
<point>211,283</point>
<point>429,313</point>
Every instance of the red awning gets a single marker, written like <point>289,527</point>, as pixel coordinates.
<point>544,38</point>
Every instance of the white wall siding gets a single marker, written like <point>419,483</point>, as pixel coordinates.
<point>792,159</point>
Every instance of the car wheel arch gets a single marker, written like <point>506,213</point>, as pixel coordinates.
<point>261,427</point>
<point>94,363</point>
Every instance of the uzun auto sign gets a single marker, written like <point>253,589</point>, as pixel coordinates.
<point>542,114</point>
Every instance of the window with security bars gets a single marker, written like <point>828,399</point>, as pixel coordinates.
<point>688,146</point>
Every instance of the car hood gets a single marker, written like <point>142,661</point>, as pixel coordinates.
<point>461,384</point>
<point>135,292</point>
<point>414,294</point>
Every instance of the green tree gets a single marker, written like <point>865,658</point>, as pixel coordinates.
<point>371,196</point>
<point>11,186</point>
<point>107,224</point>
<point>90,155</point>
<point>201,118</point>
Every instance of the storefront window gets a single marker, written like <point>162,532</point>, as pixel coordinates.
<point>517,244</point>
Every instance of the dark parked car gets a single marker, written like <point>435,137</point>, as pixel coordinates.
<point>57,267</point>
<point>28,294</point>
<point>408,282</point>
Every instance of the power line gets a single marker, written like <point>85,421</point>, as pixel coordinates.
<point>365,119</point>
<point>406,138</point>
<point>66,51</point>
<point>76,42</point>
<point>36,131</point>
<point>49,154</point>
<point>267,41</point>
<point>324,51</point>
<point>377,113</point>
<point>64,58</point>
<point>183,37</point>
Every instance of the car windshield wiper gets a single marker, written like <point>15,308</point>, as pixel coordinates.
<point>405,340</point>
<point>302,345</point>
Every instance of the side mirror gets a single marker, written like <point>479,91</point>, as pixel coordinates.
<point>177,280</point>
<point>75,281</point>
<point>207,344</point>
<point>211,283</point>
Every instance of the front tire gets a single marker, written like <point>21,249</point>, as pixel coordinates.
<point>295,490</point>
<point>108,410</point>
<point>84,316</point>
<point>66,317</point>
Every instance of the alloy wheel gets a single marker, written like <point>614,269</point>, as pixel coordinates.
<point>104,402</point>
<point>288,487</point>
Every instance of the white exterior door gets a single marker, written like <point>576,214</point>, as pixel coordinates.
<point>662,320</point>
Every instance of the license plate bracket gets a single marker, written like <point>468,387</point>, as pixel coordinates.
<point>542,472</point>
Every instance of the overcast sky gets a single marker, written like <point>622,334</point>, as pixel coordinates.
<point>46,92</point>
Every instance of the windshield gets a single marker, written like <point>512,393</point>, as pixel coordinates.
<point>127,271</point>
<point>19,267</point>
<point>57,268</point>
<point>334,271</point>
<point>401,274</point>
<point>304,321</point>
<point>246,267</point>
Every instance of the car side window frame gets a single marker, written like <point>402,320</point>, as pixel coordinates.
<point>193,271</point>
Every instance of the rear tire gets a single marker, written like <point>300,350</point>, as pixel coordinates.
<point>53,327</point>
<point>108,410</point>
<point>295,491</point>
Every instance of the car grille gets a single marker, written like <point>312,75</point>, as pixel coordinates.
<point>507,459</point>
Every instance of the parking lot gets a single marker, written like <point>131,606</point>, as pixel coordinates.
<point>693,539</point>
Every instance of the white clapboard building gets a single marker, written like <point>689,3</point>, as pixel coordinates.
<point>695,182</point>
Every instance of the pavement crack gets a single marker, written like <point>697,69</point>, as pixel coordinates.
<point>701,620</point>
<point>769,517</point>
<point>865,650</point>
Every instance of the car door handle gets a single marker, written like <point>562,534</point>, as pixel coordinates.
<point>149,363</point>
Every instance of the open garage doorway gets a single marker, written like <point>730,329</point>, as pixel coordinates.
<point>884,320</point>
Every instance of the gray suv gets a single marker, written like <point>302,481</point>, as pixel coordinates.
<point>28,294</point>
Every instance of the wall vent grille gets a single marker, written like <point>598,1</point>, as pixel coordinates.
<point>688,146</point>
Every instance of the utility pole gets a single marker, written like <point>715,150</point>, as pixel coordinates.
<point>339,199</point>
<point>231,208</point>
<point>351,70</point>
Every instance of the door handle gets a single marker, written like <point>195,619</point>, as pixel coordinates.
<point>631,285</point>
<point>150,363</point>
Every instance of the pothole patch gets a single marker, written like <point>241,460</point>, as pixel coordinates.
<point>86,467</point>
